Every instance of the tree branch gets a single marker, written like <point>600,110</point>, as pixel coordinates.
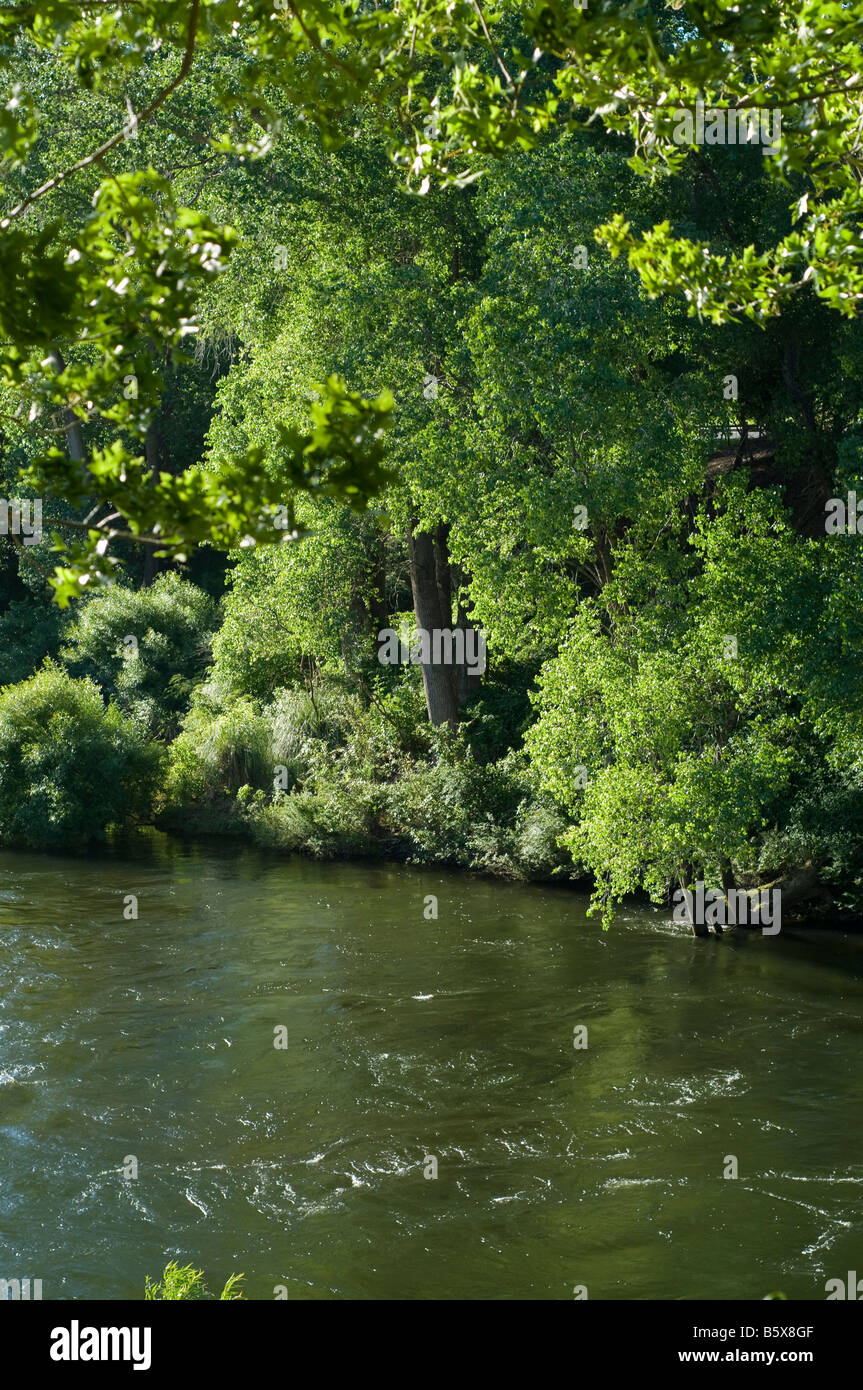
<point>490,41</point>
<point>114,535</point>
<point>121,135</point>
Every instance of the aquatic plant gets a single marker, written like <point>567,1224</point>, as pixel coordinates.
<point>184,1281</point>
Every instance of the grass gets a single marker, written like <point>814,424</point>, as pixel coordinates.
<point>184,1281</point>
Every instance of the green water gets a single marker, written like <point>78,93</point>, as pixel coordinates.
<point>410,1038</point>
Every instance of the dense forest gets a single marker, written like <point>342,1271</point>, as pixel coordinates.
<point>279,402</point>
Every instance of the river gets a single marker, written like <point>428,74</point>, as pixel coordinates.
<point>559,1169</point>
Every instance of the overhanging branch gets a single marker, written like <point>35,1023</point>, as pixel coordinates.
<point>121,134</point>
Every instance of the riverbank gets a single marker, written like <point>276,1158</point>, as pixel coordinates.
<point>803,903</point>
<point>436,817</point>
<point>320,773</point>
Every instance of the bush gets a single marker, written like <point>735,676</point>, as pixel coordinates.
<point>219,751</point>
<point>300,725</point>
<point>361,781</point>
<point>69,767</point>
<point>332,821</point>
<point>497,717</point>
<point>145,647</point>
<point>28,633</point>
<point>487,817</point>
<point>229,745</point>
<point>184,1281</point>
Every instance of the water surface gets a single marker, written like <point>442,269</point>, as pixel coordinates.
<point>409,1039</point>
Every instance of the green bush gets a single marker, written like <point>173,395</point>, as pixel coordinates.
<point>229,744</point>
<point>145,647</point>
<point>457,813</point>
<point>28,633</point>
<point>335,819</point>
<point>69,767</point>
<point>184,1281</point>
<point>301,726</point>
<point>496,718</point>
<point>359,781</point>
<point>481,816</point>
<point>219,751</point>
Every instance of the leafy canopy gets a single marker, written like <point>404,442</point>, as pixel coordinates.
<point>98,293</point>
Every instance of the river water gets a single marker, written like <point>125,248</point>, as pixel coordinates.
<point>558,1168</point>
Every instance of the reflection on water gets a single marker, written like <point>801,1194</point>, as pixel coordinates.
<point>407,1039</point>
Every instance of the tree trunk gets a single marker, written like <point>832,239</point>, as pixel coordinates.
<point>441,699</point>
<point>463,687</point>
<point>433,582</point>
<point>74,436</point>
<point>688,877</point>
<point>151,457</point>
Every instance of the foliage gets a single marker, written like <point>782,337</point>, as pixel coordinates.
<point>144,648</point>
<point>315,772</point>
<point>93,302</point>
<point>184,1281</point>
<point>685,732</point>
<point>617,378</point>
<point>69,766</point>
<point>220,751</point>
<point>29,632</point>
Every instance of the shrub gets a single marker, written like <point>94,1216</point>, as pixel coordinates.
<point>151,677</point>
<point>329,822</point>
<point>300,725</point>
<point>184,1281</point>
<point>219,751</point>
<point>356,784</point>
<point>28,633</point>
<point>497,717</point>
<point>69,767</point>
<point>229,744</point>
<point>480,816</point>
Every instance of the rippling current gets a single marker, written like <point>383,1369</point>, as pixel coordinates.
<point>409,1039</point>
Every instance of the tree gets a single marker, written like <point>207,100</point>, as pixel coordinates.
<point>96,302</point>
<point>369,285</point>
